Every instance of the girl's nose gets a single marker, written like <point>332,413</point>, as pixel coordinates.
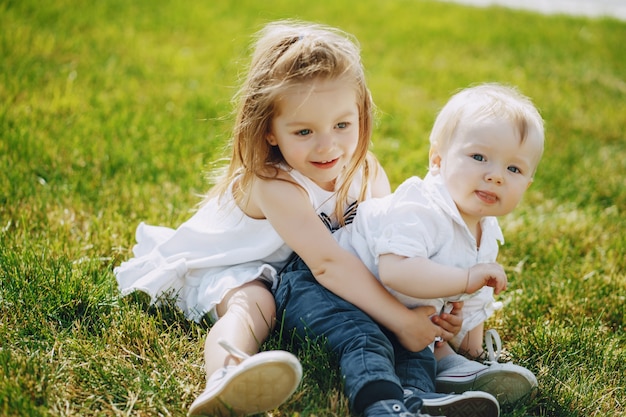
<point>325,142</point>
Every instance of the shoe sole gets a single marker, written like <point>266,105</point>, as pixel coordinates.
<point>263,382</point>
<point>507,386</point>
<point>479,404</point>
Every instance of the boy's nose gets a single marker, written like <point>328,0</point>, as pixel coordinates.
<point>494,176</point>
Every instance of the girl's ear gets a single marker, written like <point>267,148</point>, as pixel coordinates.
<point>271,139</point>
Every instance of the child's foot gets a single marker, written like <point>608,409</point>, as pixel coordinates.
<point>390,408</point>
<point>259,383</point>
<point>468,404</point>
<point>507,382</point>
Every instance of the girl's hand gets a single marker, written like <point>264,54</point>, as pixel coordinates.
<point>488,274</point>
<point>415,330</point>
<point>450,322</point>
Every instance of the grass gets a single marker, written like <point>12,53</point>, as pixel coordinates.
<point>111,112</point>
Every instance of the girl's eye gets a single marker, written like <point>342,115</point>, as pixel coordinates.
<point>515,169</point>
<point>303,132</point>
<point>342,125</point>
<point>478,157</point>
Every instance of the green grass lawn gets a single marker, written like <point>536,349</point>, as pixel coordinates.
<point>111,113</point>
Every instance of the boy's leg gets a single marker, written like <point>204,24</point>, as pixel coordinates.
<point>365,353</point>
<point>416,371</point>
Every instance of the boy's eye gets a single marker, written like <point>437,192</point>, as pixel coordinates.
<point>478,157</point>
<point>514,169</point>
<point>303,132</point>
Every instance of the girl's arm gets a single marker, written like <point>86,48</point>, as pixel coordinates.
<point>288,209</point>
<point>422,278</point>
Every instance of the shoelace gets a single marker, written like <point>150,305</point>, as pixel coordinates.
<point>232,349</point>
<point>493,355</point>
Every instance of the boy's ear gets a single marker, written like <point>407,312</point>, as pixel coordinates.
<point>434,159</point>
<point>530,182</point>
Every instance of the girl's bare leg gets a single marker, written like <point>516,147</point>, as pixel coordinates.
<point>261,381</point>
<point>247,315</point>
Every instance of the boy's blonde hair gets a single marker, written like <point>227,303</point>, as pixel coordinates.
<point>288,53</point>
<point>481,103</point>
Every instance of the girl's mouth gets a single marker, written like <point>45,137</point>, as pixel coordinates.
<point>325,164</point>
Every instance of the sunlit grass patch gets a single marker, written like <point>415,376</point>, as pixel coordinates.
<point>112,112</point>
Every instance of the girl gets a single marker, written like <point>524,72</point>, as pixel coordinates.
<point>299,152</point>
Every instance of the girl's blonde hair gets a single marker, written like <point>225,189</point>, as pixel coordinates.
<point>484,102</point>
<point>288,53</point>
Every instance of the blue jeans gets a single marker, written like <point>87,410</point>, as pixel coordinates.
<point>367,353</point>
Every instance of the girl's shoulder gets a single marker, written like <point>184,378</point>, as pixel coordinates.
<point>278,184</point>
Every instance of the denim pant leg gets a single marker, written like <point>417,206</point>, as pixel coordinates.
<point>365,353</point>
<point>416,369</point>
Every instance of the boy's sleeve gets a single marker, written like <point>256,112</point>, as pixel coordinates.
<point>405,226</point>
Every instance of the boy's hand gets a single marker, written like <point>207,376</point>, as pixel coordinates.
<point>486,275</point>
<point>450,322</point>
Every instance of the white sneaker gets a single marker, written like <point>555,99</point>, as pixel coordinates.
<point>467,404</point>
<point>507,382</point>
<point>259,383</point>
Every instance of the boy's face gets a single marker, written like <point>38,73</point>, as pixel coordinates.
<point>487,169</point>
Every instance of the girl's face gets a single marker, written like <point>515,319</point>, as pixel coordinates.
<point>316,128</point>
<point>487,169</point>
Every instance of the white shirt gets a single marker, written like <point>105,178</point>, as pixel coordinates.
<point>421,219</point>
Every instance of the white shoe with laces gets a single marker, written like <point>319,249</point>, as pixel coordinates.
<point>467,404</point>
<point>507,382</point>
<point>259,383</point>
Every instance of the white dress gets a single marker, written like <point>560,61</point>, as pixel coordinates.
<point>219,248</point>
<point>421,219</point>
